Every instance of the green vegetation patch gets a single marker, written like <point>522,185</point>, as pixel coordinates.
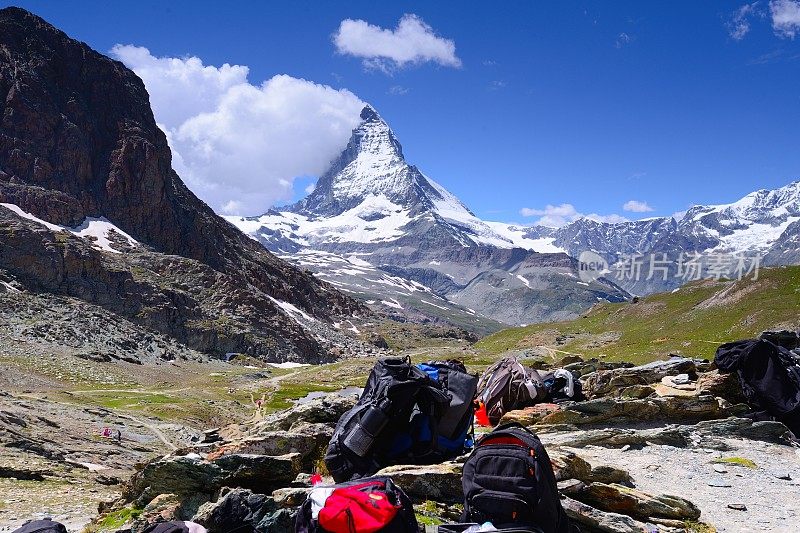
<point>735,461</point>
<point>699,527</point>
<point>117,519</point>
<point>691,321</point>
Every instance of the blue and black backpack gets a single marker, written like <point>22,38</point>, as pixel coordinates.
<point>407,414</point>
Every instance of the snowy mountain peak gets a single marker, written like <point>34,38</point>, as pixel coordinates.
<point>370,194</point>
<point>374,135</point>
<point>763,203</point>
<point>369,113</point>
<point>372,164</point>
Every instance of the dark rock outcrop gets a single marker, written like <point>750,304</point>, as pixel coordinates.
<point>78,139</point>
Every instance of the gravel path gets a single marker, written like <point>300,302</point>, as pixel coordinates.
<point>771,502</point>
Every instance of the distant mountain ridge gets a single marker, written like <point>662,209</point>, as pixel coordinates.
<point>763,226</point>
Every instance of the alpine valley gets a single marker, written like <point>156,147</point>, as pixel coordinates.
<point>379,229</point>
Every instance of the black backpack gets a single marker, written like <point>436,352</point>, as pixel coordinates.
<point>769,376</point>
<point>404,416</point>
<point>372,504</point>
<point>41,526</point>
<point>454,427</point>
<point>509,385</point>
<point>561,386</point>
<point>508,480</point>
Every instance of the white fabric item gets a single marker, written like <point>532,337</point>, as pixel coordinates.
<point>569,389</point>
<point>318,497</point>
<point>194,527</point>
<point>533,391</point>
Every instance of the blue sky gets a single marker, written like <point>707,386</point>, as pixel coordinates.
<point>588,103</point>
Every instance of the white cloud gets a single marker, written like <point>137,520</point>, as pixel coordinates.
<point>785,17</point>
<point>412,42</point>
<point>622,39</point>
<point>398,90</point>
<point>560,215</point>
<point>239,146</point>
<point>635,206</point>
<point>739,23</point>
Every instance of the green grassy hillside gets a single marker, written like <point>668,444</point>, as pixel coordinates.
<point>691,321</point>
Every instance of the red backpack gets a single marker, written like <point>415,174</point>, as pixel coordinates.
<point>370,505</point>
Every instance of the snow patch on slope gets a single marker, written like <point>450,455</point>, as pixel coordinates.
<point>376,219</point>
<point>516,236</point>
<point>96,230</point>
<point>293,311</point>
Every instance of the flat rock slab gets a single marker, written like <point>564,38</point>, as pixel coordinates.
<point>590,517</point>
<point>707,434</point>
<point>625,500</point>
<point>440,482</point>
<point>677,408</point>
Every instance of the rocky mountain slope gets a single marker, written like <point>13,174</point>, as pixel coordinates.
<point>373,206</point>
<point>92,209</point>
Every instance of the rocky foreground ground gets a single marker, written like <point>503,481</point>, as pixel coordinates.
<point>662,447</point>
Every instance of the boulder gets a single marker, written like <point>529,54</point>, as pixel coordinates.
<point>567,465</point>
<point>632,502</point>
<point>528,416</point>
<point>188,475</point>
<point>258,471</point>
<point>618,437</point>
<point>636,392</point>
<point>584,368</point>
<point>162,508</point>
<point>326,410</point>
<point>309,440</point>
<point>609,474</point>
<point>280,521</point>
<point>440,482</point>
<point>570,360</point>
<point>235,510</point>
<point>166,507</point>
<point>663,390</point>
<point>605,382</point>
<point>290,496</point>
<point>720,384</point>
<point>596,520</point>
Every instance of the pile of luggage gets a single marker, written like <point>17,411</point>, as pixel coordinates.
<point>424,414</point>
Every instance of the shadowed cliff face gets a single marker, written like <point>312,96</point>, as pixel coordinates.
<point>78,139</point>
